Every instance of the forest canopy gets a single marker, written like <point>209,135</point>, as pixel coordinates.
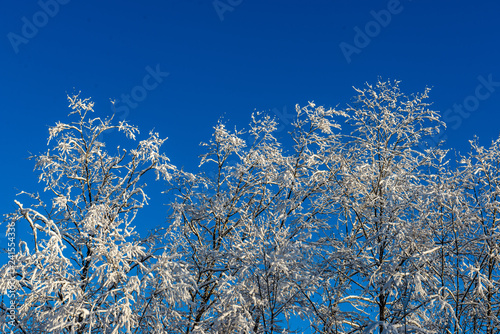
<point>361,226</point>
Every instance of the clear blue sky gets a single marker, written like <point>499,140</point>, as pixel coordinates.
<point>231,59</point>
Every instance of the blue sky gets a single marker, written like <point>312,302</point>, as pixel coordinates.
<point>229,58</point>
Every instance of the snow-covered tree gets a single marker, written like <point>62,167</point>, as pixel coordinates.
<point>249,229</point>
<point>384,210</point>
<point>480,297</point>
<point>86,269</point>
